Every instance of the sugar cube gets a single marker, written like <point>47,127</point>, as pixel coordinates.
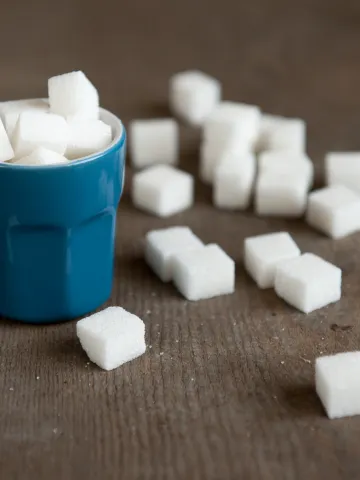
<point>231,119</point>
<point>73,94</point>
<point>42,156</point>
<point>112,337</point>
<point>233,182</point>
<point>281,194</point>
<point>212,155</point>
<point>153,142</point>
<point>337,381</point>
<point>204,273</point>
<point>263,253</point>
<point>10,111</point>
<point>334,210</point>
<point>37,129</point>
<point>288,162</point>
<point>343,168</point>
<point>308,282</point>
<point>87,137</point>
<point>162,245</point>
<point>280,133</point>
<point>6,150</point>
<point>193,95</point>
<point>163,190</point>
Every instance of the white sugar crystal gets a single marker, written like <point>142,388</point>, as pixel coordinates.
<point>263,253</point>
<point>334,210</point>
<point>87,137</point>
<point>153,142</point>
<point>281,133</point>
<point>308,282</point>
<point>10,111</point>
<point>193,95</point>
<point>204,273</point>
<point>282,195</point>
<point>163,190</point>
<point>73,94</point>
<point>230,119</point>
<point>287,162</point>
<point>337,381</point>
<point>37,129</point>
<point>162,245</point>
<point>112,337</point>
<point>6,150</point>
<point>343,168</point>
<point>233,181</point>
<point>42,156</point>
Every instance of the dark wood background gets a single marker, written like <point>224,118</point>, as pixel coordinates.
<point>226,390</point>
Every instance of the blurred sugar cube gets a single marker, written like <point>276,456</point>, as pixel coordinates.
<point>154,141</point>
<point>193,95</point>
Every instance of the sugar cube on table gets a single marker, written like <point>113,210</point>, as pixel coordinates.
<point>233,181</point>
<point>281,133</point>
<point>281,194</point>
<point>163,190</point>
<point>293,163</point>
<point>72,94</point>
<point>154,141</point>
<point>10,111</point>
<point>6,150</point>
<point>204,273</point>
<point>193,95</point>
<point>37,129</point>
<point>42,156</point>
<point>212,155</point>
<point>229,119</point>
<point>112,337</point>
<point>87,137</point>
<point>334,210</point>
<point>337,382</point>
<point>343,168</point>
<point>162,245</point>
<point>263,253</point>
<point>308,282</point>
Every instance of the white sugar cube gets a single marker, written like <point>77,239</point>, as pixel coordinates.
<point>42,156</point>
<point>281,133</point>
<point>37,129</point>
<point>233,181</point>
<point>282,195</point>
<point>6,150</point>
<point>10,111</point>
<point>212,155</point>
<point>337,381</point>
<point>162,245</point>
<point>230,119</point>
<point>334,210</point>
<point>308,282</point>
<point>87,137</point>
<point>343,168</point>
<point>263,253</point>
<point>193,95</point>
<point>112,337</point>
<point>163,190</point>
<point>154,142</point>
<point>204,273</point>
<point>287,162</point>
<point>73,94</point>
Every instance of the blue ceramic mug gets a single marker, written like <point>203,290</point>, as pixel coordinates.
<point>57,233</point>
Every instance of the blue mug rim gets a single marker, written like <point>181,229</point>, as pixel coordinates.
<point>117,142</point>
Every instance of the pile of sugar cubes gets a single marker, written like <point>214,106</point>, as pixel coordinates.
<point>54,131</point>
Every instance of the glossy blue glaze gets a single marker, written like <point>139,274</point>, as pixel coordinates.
<point>57,234</point>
